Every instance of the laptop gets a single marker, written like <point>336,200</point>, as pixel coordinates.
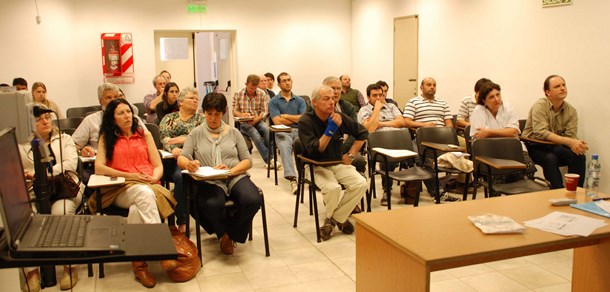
<point>103,235</point>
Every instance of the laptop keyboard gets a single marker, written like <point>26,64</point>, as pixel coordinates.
<point>63,231</point>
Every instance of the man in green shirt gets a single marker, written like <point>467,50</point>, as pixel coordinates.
<point>349,94</point>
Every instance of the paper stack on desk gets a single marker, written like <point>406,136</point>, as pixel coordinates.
<point>566,224</point>
<point>282,127</point>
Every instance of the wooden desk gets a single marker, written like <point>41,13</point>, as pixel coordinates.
<point>396,250</point>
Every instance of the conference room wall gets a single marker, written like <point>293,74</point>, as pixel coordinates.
<point>308,39</point>
<point>515,43</point>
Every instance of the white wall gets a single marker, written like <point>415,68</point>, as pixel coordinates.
<point>517,44</point>
<point>64,51</point>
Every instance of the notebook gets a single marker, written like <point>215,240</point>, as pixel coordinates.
<point>103,235</point>
<point>592,208</point>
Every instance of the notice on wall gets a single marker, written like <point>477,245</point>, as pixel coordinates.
<point>174,49</point>
<point>551,3</point>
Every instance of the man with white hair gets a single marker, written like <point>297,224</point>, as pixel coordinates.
<point>321,132</point>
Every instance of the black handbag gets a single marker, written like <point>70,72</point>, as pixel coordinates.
<point>65,186</point>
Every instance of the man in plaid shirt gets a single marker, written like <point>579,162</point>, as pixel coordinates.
<point>251,104</point>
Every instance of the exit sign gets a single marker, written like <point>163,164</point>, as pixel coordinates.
<point>196,6</point>
<point>550,3</point>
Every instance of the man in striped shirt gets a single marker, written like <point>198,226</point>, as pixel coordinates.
<point>251,104</point>
<point>426,110</point>
<point>468,103</point>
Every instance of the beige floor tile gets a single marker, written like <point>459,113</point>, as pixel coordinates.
<point>545,258</point>
<point>450,285</point>
<point>340,284</point>
<point>558,288</point>
<point>534,277</point>
<point>469,270</point>
<point>271,277</point>
<point>225,282</point>
<point>493,282</point>
<point>563,268</point>
<point>508,264</point>
<point>300,255</point>
<point>338,250</point>
<point>440,276</point>
<point>316,270</point>
<point>347,264</point>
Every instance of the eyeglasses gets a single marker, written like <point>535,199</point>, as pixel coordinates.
<point>45,117</point>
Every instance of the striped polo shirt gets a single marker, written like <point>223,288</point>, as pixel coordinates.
<point>423,110</point>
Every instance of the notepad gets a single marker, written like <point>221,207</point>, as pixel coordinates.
<point>209,172</point>
<point>591,207</point>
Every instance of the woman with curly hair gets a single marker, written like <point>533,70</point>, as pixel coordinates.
<point>126,150</point>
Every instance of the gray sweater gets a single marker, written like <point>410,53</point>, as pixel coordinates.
<point>232,146</point>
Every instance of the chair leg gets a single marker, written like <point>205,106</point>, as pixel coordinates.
<point>466,186</point>
<point>264,215</point>
<point>101,270</point>
<point>89,270</point>
<point>314,202</point>
<point>296,205</point>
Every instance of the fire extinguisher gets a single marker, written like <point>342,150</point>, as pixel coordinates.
<point>113,64</point>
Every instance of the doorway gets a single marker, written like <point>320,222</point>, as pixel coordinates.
<point>405,58</point>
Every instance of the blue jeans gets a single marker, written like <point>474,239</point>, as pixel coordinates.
<point>259,134</point>
<point>551,157</point>
<point>284,142</point>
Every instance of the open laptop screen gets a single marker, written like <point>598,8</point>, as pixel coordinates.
<point>15,199</point>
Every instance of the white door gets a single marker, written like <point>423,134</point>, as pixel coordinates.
<point>178,56</point>
<point>405,59</point>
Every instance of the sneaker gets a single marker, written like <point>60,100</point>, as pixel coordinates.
<point>384,200</point>
<point>448,198</point>
<point>346,227</point>
<point>294,186</point>
<point>32,281</point>
<point>327,229</point>
<point>271,164</point>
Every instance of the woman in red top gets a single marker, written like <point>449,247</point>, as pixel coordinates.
<point>126,150</point>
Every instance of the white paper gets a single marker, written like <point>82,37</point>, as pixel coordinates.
<point>166,154</point>
<point>280,127</point>
<point>207,171</point>
<point>603,205</point>
<point>395,153</point>
<point>496,224</point>
<point>566,224</point>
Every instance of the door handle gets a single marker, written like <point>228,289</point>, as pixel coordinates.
<point>412,80</point>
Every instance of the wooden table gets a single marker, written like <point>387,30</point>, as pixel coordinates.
<point>396,250</point>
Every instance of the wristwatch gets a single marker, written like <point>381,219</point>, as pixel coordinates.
<point>351,156</point>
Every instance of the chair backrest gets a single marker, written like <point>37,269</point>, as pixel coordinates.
<point>91,112</point>
<point>307,99</point>
<point>397,139</point>
<point>468,139</point>
<point>68,131</point>
<point>68,123</point>
<point>521,125</point>
<point>443,135</point>
<point>501,148</point>
<point>156,133</point>
<point>141,109</point>
<point>81,112</point>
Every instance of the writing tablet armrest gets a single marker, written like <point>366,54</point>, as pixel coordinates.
<point>319,163</point>
<point>443,147</point>
<point>498,163</point>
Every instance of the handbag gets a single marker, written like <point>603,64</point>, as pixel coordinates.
<point>65,186</point>
<point>188,264</point>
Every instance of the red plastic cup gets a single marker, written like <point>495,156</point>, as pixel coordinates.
<point>571,180</point>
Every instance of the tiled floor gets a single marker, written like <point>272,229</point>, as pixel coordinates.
<point>298,263</point>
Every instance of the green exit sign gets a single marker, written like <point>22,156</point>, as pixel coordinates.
<point>193,8</point>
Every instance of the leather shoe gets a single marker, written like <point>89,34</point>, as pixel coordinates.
<point>226,244</point>
<point>32,282</point>
<point>140,270</point>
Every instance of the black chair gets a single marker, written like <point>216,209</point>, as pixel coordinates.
<point>68,123</point>
<point>397,140</point>
<point>433,142</point>
<point>495,157</point>
<point>141,109</point>
<point>307,99</point>
<point>190,189</point>
<point>246,137</point>
<point>155,132</point>
<point>81,112</point>
<point>468,139</point>
<point>521,125</point>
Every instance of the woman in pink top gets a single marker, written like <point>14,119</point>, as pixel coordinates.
<point>126,150</point>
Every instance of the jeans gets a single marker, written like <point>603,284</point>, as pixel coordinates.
<point>284,142</point>
<point>551,157</point>
<point>259,134</point>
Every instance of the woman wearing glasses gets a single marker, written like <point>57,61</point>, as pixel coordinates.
<point>64,156</point>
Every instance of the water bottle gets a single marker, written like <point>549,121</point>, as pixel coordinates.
<point>593,175</point>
